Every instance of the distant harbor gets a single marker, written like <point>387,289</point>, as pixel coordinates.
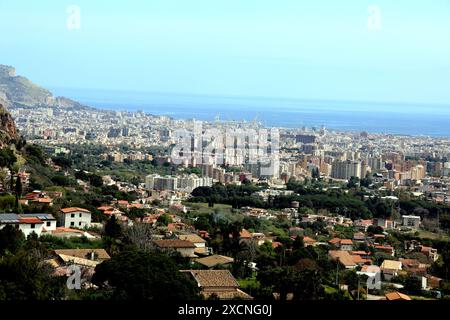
<point>289,113</point>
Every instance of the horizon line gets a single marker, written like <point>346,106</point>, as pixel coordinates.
<point>249,97</point>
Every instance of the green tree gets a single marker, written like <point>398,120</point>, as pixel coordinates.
<point>279,279</point>
<point>35,154</point>
<point>7,159</point>
<point>353,182</point>
<point>315,173</point>
<point>96,181</point>
<point>11,239</point>
<point>134,213</point>
<point>24,277</point>
<point>140,275</point>
<point>412,285</point>
<point>164,219</point>
<point>18,190</point>
<point>112,228</point>
<point>307,285</point>
<point>298,243</point>
<point>63,161</point>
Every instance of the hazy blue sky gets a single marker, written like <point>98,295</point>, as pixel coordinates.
<point>278,48</point>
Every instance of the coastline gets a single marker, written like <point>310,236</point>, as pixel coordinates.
<point>334,115</point>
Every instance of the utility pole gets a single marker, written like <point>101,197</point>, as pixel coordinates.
<point>337,272</point>
<point>358,289</point>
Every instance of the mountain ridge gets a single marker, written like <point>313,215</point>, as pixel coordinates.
<point>16,90</point>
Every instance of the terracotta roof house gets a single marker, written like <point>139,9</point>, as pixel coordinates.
<point>390,268</point>
<point>27,225</point>
<point>82,257</point>
<point>429,252</point>
<point>276,244</point>
<point>343,244</point>
<point>370,269</point>
<point>433,282</point>
<point>75,217</point>
<point>362,225</point>
<point>362,253</point>
<point>92,254</point>
<point>123,204</point>
<point>308,241</point>
<point>346,245</point>
<point>215,261</point>
<point>62,232</point>
<point>105,208</point>
<point>360,261</point>
<point>359,236</point>
<point>386,249</point>
<point>74,209</point>
<point>343,257</point>
<point>184,247</point>
<point>335,242</point>
<point>43,201</point>
<point>198,241</point>
<point>177,226</point>
<point>397,296</point>
<point>245,234</point>
<point>218,283</point>
<point>414,266</point>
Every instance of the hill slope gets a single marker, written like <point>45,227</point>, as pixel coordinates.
<point>19,91</point>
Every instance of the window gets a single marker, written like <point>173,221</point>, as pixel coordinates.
<point>72,215</point>
<point>81,215</point>
<point>33,226</point>
<point>79,223</point>
<point>72,224</point>
<point>49,223</point>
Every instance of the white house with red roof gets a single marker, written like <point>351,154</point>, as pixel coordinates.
<point>75,217</point>
<point>28,223</point>
<point>49,222</point>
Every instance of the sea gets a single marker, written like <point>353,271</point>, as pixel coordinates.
<point>386,118</point>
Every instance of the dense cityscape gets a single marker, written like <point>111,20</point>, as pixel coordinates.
<point>217,210</point>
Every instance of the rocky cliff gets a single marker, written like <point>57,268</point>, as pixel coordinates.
<point>8,129</point>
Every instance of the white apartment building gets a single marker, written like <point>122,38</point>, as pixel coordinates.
<point>346,169</point>
<point>185,183</point>
<point>411,221</point>
<point>375,163</point>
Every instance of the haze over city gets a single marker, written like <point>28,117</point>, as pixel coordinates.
<point>380,51</point>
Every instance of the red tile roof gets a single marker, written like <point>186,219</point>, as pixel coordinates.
<point>309,240</point>
<point>396,296</point>
<point>30,220</point>
<point>62,229</point>
<point>43,200</point>
<point>276,244</point>
<point>245,234</point>
<point>104,208</point>
<point>74,209</point>
<point>334,241</point>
